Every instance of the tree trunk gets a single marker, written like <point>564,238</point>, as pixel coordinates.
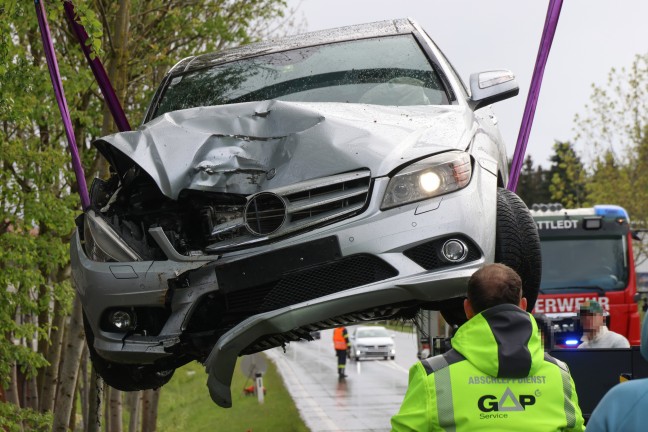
<point>73,347</point>
<point>116,60</point>
<point>73,414</point>
<point>44,343</point>
<point>84,388</point>
<point>12,390</point>
<point>150,402</point>
<point>31,394</point>
<point>133,400</point>
<point>115,413</point>
<point>96,392</point>
<point>50,375</point>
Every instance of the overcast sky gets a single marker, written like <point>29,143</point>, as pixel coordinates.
<point>592,37</point>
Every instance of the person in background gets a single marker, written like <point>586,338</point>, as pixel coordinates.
<point>623,408</point>
<point>496,376</point>
<point>595,332</point>
<point>546,331</point>
<point>341,344</point>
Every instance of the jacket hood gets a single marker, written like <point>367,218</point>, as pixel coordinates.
<point>509,347</point>
<point>233,148</point>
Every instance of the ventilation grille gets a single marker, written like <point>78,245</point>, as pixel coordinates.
<point>295,287</point>
<point>307,204</point>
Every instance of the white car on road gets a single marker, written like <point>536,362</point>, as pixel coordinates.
<point>371,342</point>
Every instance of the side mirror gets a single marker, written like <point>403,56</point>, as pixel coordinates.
<point>491,86</point>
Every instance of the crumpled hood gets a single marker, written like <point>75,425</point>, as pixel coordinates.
<point>510,347</point>
<point>248,147</point>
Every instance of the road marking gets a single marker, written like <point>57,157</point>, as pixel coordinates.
<point>393,365</point>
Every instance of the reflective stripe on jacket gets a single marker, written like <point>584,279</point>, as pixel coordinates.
<point>496,377</point>
<point>340,339</point>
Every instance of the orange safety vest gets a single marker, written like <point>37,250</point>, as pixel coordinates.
<point>339,341</point>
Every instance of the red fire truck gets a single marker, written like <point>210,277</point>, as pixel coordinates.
<point>586,254</point>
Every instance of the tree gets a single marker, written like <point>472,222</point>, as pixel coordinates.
<point>533,185</point>
<point>615,126</point>
<point>40,347</point>
<point>568,176</point>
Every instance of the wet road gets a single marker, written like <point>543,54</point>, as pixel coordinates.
<point>365,401</point>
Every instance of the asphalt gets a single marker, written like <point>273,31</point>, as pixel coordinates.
<point>364,401</point>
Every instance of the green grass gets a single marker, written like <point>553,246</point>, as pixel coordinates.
<point>399,325</point>
<point>185,404</point>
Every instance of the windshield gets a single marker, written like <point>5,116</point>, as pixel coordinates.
<point>376,332</point>
<point>382,71</point>
<point>573,263</point>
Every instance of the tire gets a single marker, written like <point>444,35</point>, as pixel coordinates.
<point>393,357</point>
<point>125,377</point>
<point>517,243</point>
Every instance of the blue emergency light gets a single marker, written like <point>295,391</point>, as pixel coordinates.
<point>571,342</point>
<point>611,211</point>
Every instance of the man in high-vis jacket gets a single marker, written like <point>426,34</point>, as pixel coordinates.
<point>497,376</point>
<point>341,344</point>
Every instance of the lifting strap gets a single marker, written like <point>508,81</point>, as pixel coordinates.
<point>55,76</point>
<point>551,22</point>
<point>98,70</point>
<point>100,75</point>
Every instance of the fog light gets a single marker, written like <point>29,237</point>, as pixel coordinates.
<point>454,250</point>
<point>121,319</point>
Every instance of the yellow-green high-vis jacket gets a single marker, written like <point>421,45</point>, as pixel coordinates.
<point>496,378</point>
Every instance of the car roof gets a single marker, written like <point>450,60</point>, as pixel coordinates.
<point>354,32</point>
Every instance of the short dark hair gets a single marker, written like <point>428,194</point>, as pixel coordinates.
<point>493,285</point>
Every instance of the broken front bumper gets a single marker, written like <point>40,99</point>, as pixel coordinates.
<point>318,279</point>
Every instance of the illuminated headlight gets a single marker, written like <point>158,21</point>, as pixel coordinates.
<point>427,178</point>
<point>102,243</point>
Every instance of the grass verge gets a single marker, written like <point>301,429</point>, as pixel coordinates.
<point>185,404</point>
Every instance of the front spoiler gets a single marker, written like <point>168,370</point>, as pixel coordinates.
<point>222,360</point>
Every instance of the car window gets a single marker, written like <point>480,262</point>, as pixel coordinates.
<point>382,71</point>
<point>367,333</point>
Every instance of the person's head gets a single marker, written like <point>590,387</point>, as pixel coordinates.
<point>591,316</point>
<point>493,285</point>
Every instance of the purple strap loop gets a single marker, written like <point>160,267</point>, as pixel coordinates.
<point>55,76</point>
<point>551,22</point>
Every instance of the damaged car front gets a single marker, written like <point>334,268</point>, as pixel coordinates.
<point>290,186</point>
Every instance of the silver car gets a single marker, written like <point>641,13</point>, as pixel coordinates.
<point>290,186</point>
<point>371,342</point>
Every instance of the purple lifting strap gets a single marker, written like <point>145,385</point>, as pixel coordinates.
<point>62,103</point>
<point>98,70</point>
<point>551,22</point>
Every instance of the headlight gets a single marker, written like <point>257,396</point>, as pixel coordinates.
<point>102,243</point>
<point>427,178</point>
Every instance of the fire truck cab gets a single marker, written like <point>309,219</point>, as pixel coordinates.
<point>586,254</point>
